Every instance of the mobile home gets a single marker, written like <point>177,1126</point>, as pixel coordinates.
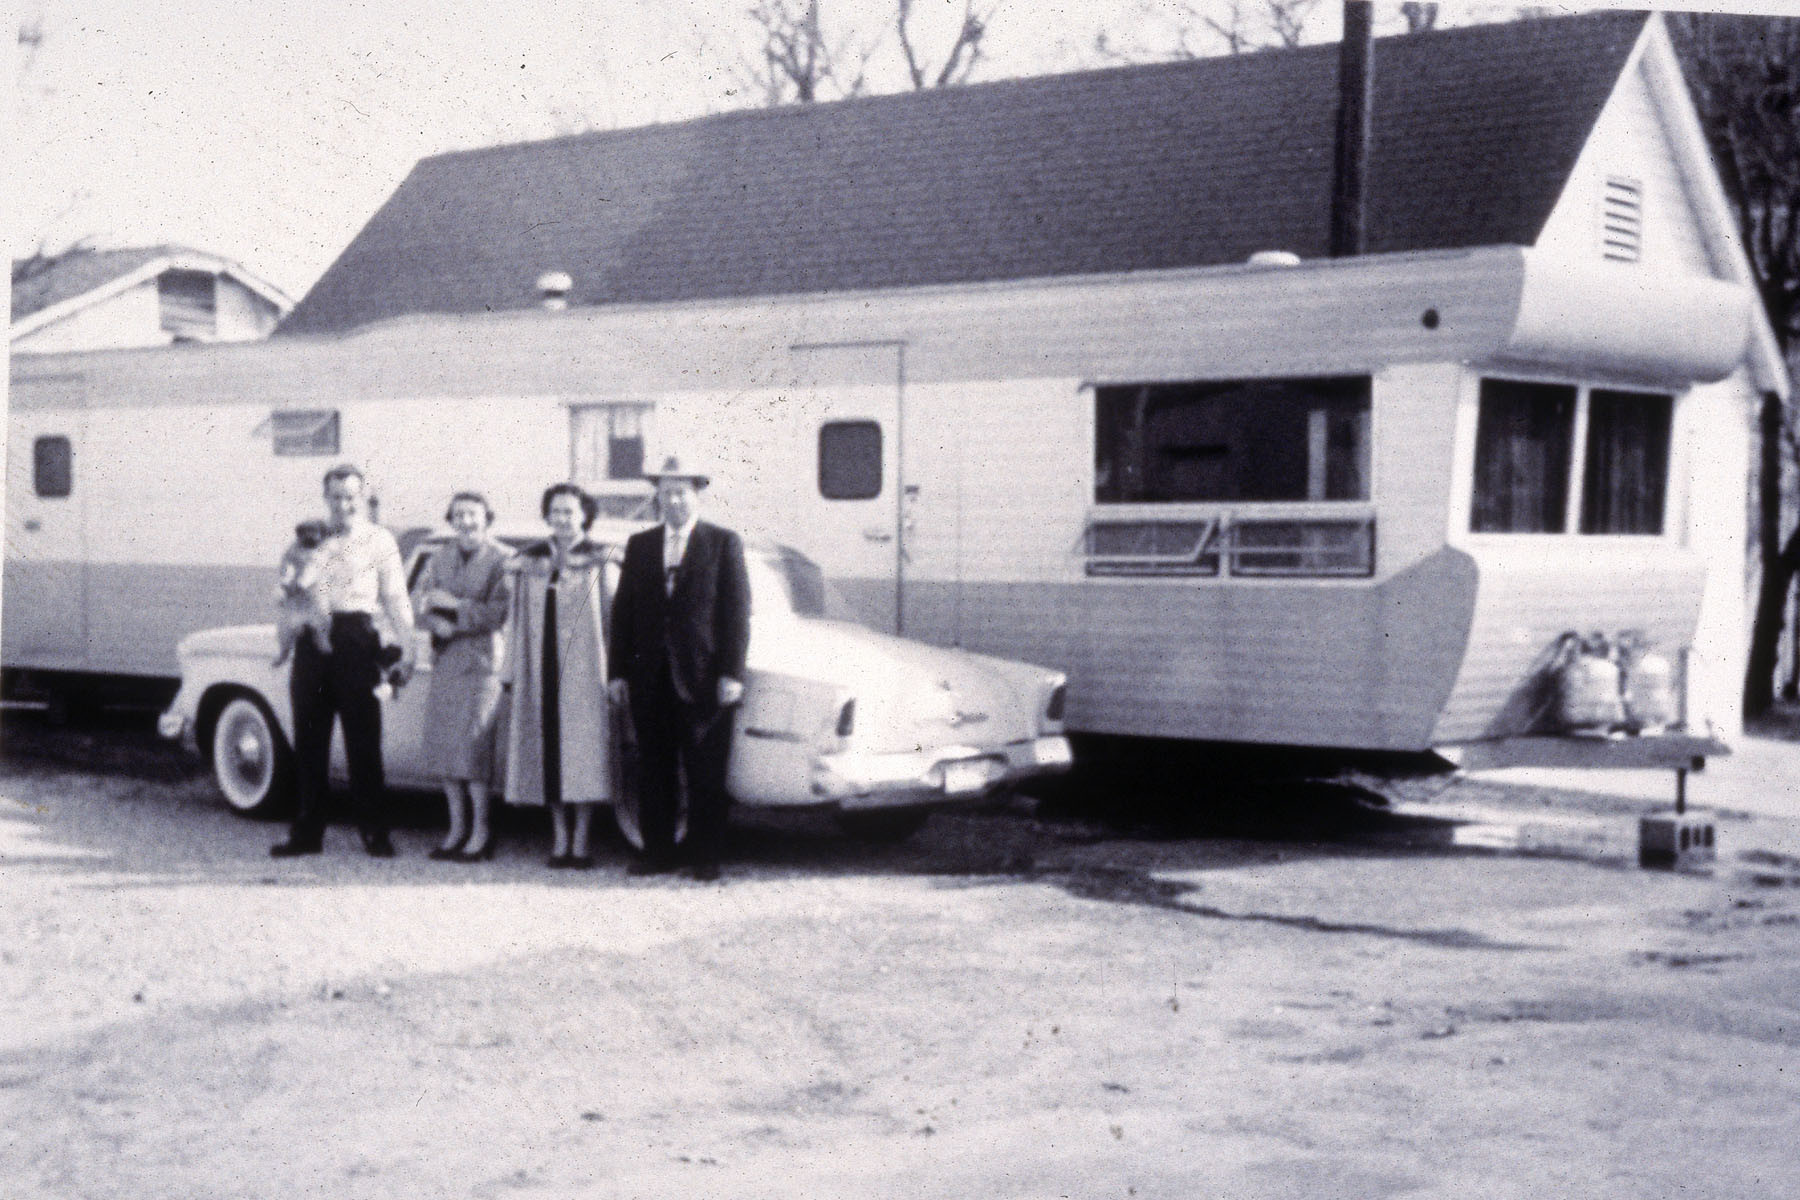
<point>1012,363</point>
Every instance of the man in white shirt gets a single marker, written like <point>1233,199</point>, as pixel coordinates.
<point>359,574</point>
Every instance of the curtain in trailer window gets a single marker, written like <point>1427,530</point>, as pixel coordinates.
<point>1626,470</point>
<point>1522,441</point>
<point>1233,440</point>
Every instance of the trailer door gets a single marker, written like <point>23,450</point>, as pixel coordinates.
<point>45,590</point>
<point>848,403</point>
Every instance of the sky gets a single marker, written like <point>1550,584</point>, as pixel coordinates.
<point>269,133</point>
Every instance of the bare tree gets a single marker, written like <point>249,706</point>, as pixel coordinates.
<point>798,54</point>
<point>1199,29</point>
<point>1287,20</point>
<point>959,61</point>
<point>793,61</point>
<point>1229,27</point>
<point>31,36</point>
<point>1744,75</point>
<point>49,249</point>
<point>1419,18</point>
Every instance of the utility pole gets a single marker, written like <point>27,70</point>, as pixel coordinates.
<point>1356,87</point>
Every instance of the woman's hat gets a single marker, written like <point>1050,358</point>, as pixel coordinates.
<point>675,467</point>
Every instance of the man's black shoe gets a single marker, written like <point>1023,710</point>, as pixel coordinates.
<point>377,845</point>
<point>704,872</point>
<point>293,848</point>
<point>649,866</point>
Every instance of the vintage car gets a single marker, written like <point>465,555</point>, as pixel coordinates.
<point>877,728</point>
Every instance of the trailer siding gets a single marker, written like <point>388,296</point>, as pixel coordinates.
<point>1530,595</point>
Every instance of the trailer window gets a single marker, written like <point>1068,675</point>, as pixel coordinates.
<point>1625,473</point>
<point>1150,547</point>
<point>1522,440</point>
<point>609,442</point>
<point>850,460</point>
<point>1237,440</point>
<point>52,467</point>
<point>1310,547</point>
<point>300,432</point>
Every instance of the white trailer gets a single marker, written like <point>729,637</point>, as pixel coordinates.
<point>1235,504</point>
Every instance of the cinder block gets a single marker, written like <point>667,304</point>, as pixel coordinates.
<point>1676,840</point>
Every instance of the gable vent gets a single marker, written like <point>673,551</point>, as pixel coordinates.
<point>1622,220</point>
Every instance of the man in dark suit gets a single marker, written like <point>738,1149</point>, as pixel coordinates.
<point>680,632</point>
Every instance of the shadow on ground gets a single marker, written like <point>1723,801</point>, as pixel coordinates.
<point>108,796</point>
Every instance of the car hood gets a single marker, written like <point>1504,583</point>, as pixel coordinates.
<point>257,641</point>
<point>909,694</point>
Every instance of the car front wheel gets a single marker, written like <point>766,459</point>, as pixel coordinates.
<point>251,761</point>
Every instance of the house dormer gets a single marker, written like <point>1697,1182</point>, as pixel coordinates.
<point>154,296</point>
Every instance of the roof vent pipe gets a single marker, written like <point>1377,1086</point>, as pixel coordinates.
<point>1350,176</point>
<point>553,290</point>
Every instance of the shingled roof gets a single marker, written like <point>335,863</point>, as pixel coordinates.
<point>1135,168</point>
<point>75,274</point>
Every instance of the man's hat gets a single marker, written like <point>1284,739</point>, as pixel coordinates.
<point>675,467</point>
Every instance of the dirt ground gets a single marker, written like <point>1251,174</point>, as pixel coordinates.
<point>1004,1007</point>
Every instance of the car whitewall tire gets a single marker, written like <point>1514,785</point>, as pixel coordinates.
<point>250,759</point>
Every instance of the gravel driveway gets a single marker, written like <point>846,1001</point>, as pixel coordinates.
<point>1004,1007</point>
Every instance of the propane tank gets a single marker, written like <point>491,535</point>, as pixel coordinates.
<point>1588,699</point>
<point>1648,685</point>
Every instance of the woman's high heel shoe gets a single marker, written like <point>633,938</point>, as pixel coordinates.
<point>482,853</point>
<point>450,853</point>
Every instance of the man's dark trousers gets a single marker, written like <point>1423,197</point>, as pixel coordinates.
<point>341,686</point>
<point>674,636</point>
<point>675,740</point>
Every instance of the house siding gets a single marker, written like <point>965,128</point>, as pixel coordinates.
<point>129,320</point>
<point>1630,142</point>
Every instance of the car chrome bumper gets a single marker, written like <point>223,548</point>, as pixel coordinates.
<point>859,780</point>
<point>176,723</point>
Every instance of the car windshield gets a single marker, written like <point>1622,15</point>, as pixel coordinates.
<point>797,580</point>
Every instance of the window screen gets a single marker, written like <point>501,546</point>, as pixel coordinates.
<point>304,431</point>
<point>1522,439</point>
<point>52,467</point>
<point>188,302</point>
<point>1626,470</point>
<point>1246,440</point>
<point>850,460</point>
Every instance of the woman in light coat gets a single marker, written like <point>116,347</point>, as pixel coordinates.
<point>558,751</point>
<point>462,597</point>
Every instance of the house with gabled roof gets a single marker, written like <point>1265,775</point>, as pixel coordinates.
<point>1061,369</point>
<point>139,296</point>
<point>1482,135</point>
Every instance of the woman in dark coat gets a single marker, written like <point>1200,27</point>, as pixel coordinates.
<point>462,597</point>
<point>558,749</point>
